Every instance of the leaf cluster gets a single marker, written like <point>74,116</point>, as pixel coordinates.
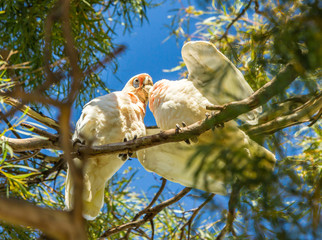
<point>27,29</point>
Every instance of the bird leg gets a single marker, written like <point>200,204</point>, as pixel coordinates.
<point>76,143</point>
<point>129,152</point>
<point>126,156</point>
<point>187,141</point>
<point>178,128</point>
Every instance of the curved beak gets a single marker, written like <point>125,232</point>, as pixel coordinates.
<point>147,85</point>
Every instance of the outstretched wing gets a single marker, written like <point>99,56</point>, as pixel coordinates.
<point>216,77</point>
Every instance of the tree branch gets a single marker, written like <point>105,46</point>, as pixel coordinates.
<point>40,132</point>
<point>235,19</point>
<point>301,115</point>
<point>149,215</point>
<point>49,221</point>
<point>194,214</point>
<point>29,144</point>
<point>49,122</point>
<point>233,201</point>
<point>229,111</point>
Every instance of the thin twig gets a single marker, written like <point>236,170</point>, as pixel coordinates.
<point>43,133</point>
<point>149,215</point>
<point>155,198</point>
<point>24,157</point>
<point>145,210</point>
<point>300,115</point>
<point>235,19</point>
<point>47,121</point>
<point>194,214</point>
<point>152,228</point>
<point>233,201</point>
<point>3,117</point>
<point>316,118</point>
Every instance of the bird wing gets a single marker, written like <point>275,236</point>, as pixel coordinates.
<point>216,77</point>
<point>217,158</point>
<point>175,162</point>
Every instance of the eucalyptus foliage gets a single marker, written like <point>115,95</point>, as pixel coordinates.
<point>23,24</point>
<point>260,37</point>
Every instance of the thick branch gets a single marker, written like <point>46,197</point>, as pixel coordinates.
<point>303,114</point>
<point>31,113</point>
<point>29,144</point>
<point>49,221</point>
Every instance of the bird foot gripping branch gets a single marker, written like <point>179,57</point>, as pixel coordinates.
<point>187,141</point>
<point>126,156</point>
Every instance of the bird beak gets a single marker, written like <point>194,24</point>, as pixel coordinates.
<point>148,88</point>
<point>147,84</point>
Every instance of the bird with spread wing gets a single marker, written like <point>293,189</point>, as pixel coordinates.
<point>111,118</point>
<point>217,157</point>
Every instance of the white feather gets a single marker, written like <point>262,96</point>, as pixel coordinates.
<point>216,77</point>
<point>173,102</point>
<point>104,120</point>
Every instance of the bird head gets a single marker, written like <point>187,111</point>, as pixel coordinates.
<point>140,85</point>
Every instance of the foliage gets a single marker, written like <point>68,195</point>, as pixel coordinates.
<point>260,37</point>
<point>26,24</point>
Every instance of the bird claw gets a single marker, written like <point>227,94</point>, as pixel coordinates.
<point>77,140</point>
<point>178,128</point>
<point>76,146</point>
<point>126,156</point>
<point>187,141</point>
<point>207,115</point>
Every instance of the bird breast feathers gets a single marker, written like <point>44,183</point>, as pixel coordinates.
<point>115,113</point>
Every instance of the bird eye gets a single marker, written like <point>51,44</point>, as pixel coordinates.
<point>136,83</point>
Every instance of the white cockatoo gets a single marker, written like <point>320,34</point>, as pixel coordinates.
<point>219,155</point>
<point>111,118</point>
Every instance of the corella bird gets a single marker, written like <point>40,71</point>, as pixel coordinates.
<point>219,156</point>
<point>115,117</point>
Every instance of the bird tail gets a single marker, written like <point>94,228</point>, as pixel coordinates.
<point>68,191</point>
<point>93,199</point>
<point>96,173</point>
